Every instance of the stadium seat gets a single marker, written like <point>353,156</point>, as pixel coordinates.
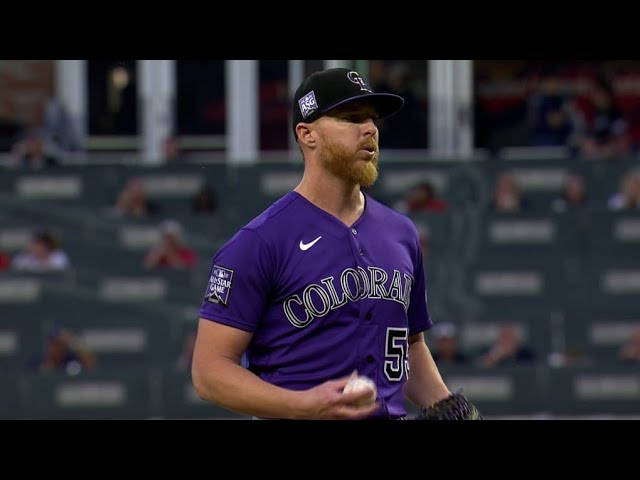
<point>595,390</point>
<point>121,394</point>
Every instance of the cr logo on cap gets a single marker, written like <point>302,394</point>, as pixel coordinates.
<point>355,77</point>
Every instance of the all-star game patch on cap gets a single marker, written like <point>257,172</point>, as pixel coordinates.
<point>328,89</point>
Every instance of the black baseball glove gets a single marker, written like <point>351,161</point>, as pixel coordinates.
<point>455,407</point>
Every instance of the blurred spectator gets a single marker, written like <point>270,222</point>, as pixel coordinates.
<point>30,153</point>
<point>5,261</point>
<point>133,200</point>
<point>507,349</point>
<point>171,251</point>
<point>205,201</point>
<point>172,151</point>
<point>551,114</point>
<point>63,352</point>
<point>630,351</point>
<point>446,345</point>
<point>607,132</point>
<point>629,194</point>
<point>46,138</point>
<point>422,198</point>
<point>184,361</point>
<point>43,253</point>
<point>506,195</point>
<point>576,356</point>
<point>574,194</point>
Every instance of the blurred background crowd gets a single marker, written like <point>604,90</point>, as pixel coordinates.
<point>530,230</point>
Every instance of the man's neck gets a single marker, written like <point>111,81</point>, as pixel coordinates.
<point>341,199</point>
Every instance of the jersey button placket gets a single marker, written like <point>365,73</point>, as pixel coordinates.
<point>355,232</point>
<point>357,249</point>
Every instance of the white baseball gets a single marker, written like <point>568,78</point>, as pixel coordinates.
<point>358,384</point>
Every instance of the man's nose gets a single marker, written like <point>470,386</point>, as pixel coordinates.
<point>369,127</point>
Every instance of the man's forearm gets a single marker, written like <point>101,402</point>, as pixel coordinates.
<point>231,386</point>
<point>425,385</point>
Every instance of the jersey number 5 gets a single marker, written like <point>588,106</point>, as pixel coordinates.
<point>396,362</point>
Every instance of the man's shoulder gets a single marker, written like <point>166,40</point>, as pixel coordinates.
<point>273,217</point>
<point>389,215</point>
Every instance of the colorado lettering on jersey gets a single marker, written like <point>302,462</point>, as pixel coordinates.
<point>354,284</point>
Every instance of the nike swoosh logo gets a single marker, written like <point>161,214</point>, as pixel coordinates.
<point>307,246</point>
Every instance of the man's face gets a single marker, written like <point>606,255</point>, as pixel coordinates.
<point>419,196</point>
<point>348,143</point>
<point>601,98</point>
<point>632,188</point>
<point>39,249</point>
<point>446,346</point>
<point>56,349</point>
<point>137,190</point>
<point>170,241</point>
<point>575,188</point>
<point>34,146</point>
<point>508,336</point>
<point>506,184</point>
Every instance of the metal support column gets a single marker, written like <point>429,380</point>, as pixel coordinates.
<point>296,73</point>
<point>156,91</point>
<point>242,111</point>
<point>451,107</point>
<point>71,94</point>
<point>464,107</point>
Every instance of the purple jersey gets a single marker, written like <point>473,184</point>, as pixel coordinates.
<point>321,298</point>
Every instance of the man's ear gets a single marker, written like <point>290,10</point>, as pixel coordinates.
<point>305,135</point>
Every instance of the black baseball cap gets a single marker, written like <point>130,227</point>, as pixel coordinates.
<point>328,89</point>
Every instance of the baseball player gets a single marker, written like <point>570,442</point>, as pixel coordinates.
<point>325,282</point>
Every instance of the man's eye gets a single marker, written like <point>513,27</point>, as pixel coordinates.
<point>355,118</point>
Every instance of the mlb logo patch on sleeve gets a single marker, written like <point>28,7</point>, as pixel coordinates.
<point>219,285</point>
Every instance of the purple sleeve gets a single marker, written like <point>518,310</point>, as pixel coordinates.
<point>238,285</point>
<point>418,313</point>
